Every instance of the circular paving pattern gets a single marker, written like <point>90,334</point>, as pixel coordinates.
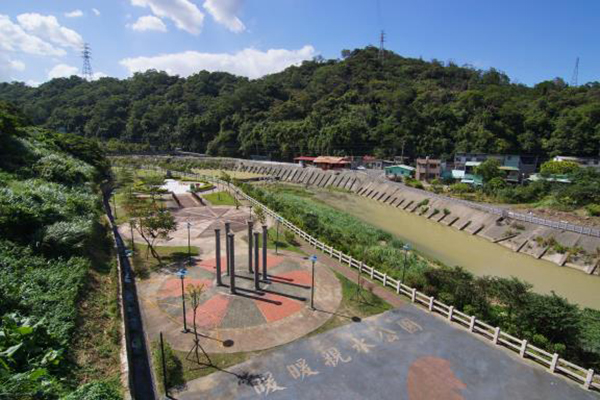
<point>250,319</point>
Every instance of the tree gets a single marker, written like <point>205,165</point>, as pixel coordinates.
<point>260,215</point>
<point>489,169</point>
<point>553,167</point>
<point>194,293</point>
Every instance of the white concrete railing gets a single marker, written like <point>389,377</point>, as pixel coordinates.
<point>586,377</point>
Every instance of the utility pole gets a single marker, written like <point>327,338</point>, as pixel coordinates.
<point>86,55</point>
<point>381,46</point>
<point>575,76</point>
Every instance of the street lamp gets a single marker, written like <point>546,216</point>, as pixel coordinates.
<point>313,259</point>
<point>406,249</point>
<point>131,227</point>
<point>250,207</point>
<point>277,236</point>
<point>189,248</point>
<point>182,273</point>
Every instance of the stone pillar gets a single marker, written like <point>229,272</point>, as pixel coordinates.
<point>256,269</point>
<point>231,238</point>
<point>264,252</point>
<point>227,231</point>
<point>250,228</point>
<point>218,253</point>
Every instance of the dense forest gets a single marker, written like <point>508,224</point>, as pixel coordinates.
<point>57,273</point>
<point>353,106</point>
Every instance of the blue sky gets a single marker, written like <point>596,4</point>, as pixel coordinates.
<point>530,40</point>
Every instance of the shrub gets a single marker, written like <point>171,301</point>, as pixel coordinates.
<point>95,391</point>
<point>173,366</point>
<point>460,188</point>
<point>558,167</point>
<point>593,210</point>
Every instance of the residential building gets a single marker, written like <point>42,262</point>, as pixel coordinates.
<point>397,172</point>
<point>586,162</point>
<point>329,163</point>
<point>517,167</point>
<point>428,169</point>
<point>304,160</point>
<point>371,162</point>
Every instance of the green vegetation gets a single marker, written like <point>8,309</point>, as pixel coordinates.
<point>548,321</point>
<point>173,366</point>
<point>287,240</point>
<point>558,167</point>
<point>55,255</point>
<point>324,107</point>
<point>220,199</point>
<point>143,265</point>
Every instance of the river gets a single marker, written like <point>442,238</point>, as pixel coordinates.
<point>478,255</point>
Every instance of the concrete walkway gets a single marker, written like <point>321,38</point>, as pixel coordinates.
<point>401,354</point>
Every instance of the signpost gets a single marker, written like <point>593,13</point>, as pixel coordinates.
<point>181,274</point>
<point>313,259</point>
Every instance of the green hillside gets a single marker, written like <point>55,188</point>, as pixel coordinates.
<point>355,105</point>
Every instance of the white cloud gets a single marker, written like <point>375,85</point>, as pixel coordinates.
<point>98,75</point>
<point>96,12</point>
<point>183,13</point>
<point>32,83</point>
<point>14,38</point>
<point>225,12</point>
<point>248,62</point>
<point>74,14</point>
<point>62,71</point>
<point>8,66</point>
<point>47,26</point>
<point>149,23</point>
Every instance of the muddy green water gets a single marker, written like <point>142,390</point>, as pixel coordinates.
<point>478,255</point>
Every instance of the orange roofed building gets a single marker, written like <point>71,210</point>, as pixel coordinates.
<point>327,162</point>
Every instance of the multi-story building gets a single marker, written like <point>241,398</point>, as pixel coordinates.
<point>428,169</point>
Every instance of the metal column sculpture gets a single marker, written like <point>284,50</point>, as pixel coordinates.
<point>231,237</point>
<point>264,252</point>
<point>256,272</point>
<point>227,229</point>
<point>218,253</point>
<point>250,226</point>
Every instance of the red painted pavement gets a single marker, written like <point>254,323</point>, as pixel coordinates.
<point>275,312</point>
<point>297,277</point>
<point>172,287</point>
<point>210,313</point>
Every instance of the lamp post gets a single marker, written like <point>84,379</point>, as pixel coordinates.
<point>277,237</point>
<point>189,248</point>
<point>406,248</point>
<point>131,227</point>
<point>250,207</point>
<point>182,273</point>
<point>114,197</point>
<point>313,259</point>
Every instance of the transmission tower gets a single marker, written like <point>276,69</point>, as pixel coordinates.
<point>381,47</point>
<point>86,54</point>
<point>575,73</point>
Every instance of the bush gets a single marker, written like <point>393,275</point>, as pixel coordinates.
<point>173,366</point>
<point>460,188</point>
<point>593,210</point>
<point>558,167</point>
<point>95,391</point>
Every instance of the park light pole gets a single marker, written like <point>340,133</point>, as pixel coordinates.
<point>277,236</point>
<point>250,207</point>
<point>313,259</point>
<point>189,248</point>
<point>131,228</point>
<point>182,273</point>
<point>406,249</point>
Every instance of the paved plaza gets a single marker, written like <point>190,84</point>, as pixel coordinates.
<point>402,354</point>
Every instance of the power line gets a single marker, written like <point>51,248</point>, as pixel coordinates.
<point>86,54</point>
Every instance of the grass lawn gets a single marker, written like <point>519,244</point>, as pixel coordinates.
<point>353,306</point>
<point>284,243</point>
<point>220,199</point>
<point>143,265</point>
